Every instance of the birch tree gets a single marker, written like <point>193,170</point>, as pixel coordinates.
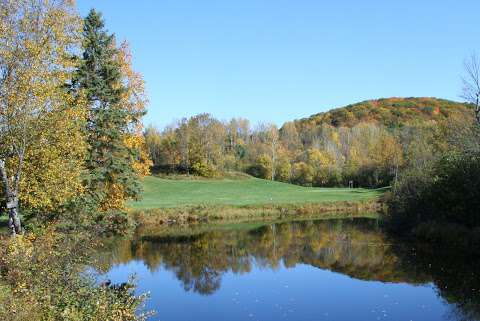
<point>36,38</point>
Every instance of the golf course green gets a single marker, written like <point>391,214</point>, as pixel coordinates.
<point>170,193</point>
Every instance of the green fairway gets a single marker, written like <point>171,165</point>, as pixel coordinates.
<point>166,193</point>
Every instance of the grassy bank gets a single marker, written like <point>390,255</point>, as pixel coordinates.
<point>209,213</point>
<point>162,193</point>
<point>189,201</point>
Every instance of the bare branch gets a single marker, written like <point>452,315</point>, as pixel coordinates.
<point>471,83</point>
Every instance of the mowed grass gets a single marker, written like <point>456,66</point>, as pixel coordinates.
<point>166,193</point>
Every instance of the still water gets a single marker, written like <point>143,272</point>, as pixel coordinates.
<point>295,270</point>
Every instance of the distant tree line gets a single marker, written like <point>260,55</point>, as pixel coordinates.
<point>366,153</point>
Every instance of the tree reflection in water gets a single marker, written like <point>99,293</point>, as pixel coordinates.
<point>357,248</point>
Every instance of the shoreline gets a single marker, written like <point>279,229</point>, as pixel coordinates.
<point>226,213</point>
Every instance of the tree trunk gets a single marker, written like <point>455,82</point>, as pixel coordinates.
<point>273,160</point>
<point>477,107</point>
<point>14,223</point>
<point>477,110</point>
<point>11,200</point>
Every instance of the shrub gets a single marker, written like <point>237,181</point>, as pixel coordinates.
<point>447,192</point>
<point>203,169</point>
<point>283,170</point>
<point>302,174</point>
<point>262,167</point>
<point>43,278</point>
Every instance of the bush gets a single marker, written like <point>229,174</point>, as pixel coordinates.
<point>302,174</point>
<point>43,278</point>
<point>283,170</point>
<point>407,203</point>
<point>203,169</point>
<point>262,168</point>
<point>447,192</point>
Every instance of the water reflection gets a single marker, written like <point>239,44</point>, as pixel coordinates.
<point>453,271</point>
<point>357,248</point>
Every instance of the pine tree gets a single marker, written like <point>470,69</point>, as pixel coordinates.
<point>109,160</point>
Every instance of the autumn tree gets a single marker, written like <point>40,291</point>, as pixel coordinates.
<point>283,169</point>
<point>36,39</point>
<point>302,174</point>
<point>265,143</point>
<point>134,100</point>
<point>290,138</point>
<point>320,163</point>
<point>206,144</point>
<point>153,142</point>
<point>238,130</point>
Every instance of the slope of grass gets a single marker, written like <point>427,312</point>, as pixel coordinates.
<point>165,193</point>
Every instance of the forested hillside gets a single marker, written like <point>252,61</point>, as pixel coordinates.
<point>390,112</point>
<point>364,144</point>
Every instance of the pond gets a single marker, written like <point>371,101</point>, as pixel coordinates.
<point>295,270</point>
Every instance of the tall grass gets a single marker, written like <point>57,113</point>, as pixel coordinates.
<point>212,213</point>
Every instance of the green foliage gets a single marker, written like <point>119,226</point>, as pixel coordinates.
<point>335,179</point>
<point>60,117</point>
<point>110,161</point>
<point>448,192</point>
<point>257,170</point>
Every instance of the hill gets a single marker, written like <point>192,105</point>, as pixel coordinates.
<point>364,144</point>
<point>390,112</point>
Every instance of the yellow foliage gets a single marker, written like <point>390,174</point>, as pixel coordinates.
<point>115,199</point>
<point>318,158</point>
<point>387,151</point>
<point>336,137</point>
<point>143,164</point>
<point>303,173</point>
<point>53,167</point>
<point>44,130</point>
<point>134,99</point>
<point>283,170</point>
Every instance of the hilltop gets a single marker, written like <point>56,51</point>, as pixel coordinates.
<point>390,112</point>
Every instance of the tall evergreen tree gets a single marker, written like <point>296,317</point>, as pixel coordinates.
<point>109,160</point>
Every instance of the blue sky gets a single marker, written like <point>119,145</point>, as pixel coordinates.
<point>278,60</point>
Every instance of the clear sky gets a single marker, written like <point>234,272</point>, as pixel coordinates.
<point>277,60</point>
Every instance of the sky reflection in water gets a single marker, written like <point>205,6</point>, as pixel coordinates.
<point>304,270</point>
